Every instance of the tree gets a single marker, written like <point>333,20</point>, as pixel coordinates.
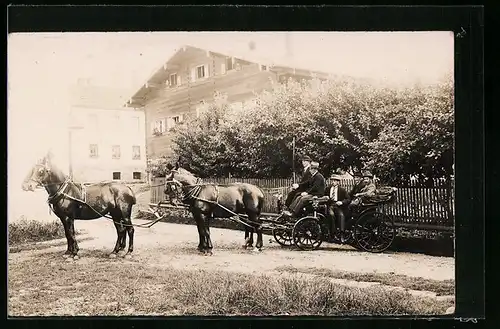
<point>417,137</point>
<point>342,124</point>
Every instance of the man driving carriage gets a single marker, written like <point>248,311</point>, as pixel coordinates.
<point>317,186</point>
<point>304,182</point>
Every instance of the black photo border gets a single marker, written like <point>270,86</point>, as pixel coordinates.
<point>467,24</point>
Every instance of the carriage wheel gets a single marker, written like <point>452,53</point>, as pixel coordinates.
<point>283,237</point>
<point>374,232</point>
<point>307,233</point>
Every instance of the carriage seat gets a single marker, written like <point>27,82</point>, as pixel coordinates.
<point>321,200</point>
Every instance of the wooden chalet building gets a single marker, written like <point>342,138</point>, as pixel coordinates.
<point>190,79</point>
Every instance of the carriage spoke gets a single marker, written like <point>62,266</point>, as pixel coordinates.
<point>373,233</point>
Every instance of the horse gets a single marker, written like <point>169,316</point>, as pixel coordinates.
<point>72,201</point>
<point>207,201</point>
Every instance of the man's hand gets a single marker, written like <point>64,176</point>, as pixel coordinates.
<point>294,186</point>
<point>303,193</point>
<point>356,195</point>
<point>338,203</point>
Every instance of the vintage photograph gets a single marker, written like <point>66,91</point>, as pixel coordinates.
<point>231,174</point>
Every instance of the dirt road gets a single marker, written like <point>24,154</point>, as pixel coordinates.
<point>174,245</point>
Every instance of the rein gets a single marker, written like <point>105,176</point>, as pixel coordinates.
<point>60,193</point>
<point>195,191</point>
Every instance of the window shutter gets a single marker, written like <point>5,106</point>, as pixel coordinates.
<point>223,68</point>
<point>170,123</point>
<point>181,117</point>
<point>193,74</point>
<point>163,124</point>
<point>153,126</point>
<point>206,71</point>
<point>178,80</point>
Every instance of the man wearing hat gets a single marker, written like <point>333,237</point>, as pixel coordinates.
<point>365,187</point>
<point>304,182</point>
<point>317,188</point>
<point>339,202</point>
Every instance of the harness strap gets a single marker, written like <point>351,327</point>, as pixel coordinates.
<point>228,210</point>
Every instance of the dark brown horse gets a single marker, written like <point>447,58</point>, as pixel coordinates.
<point>71,201</point>
<point>207,201</point>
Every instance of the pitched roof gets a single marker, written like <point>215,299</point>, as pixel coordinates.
<point>92,96</point>
<point>273,62</point>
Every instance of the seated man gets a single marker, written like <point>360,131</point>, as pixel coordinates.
<point>339,201</point>
<point>304,182</point>
<point>317,188</point>
<point>365,187</point>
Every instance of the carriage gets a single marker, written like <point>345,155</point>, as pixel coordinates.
<point>368,228</point>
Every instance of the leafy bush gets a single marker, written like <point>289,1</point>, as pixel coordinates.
<point>343,124</point>
<point>24,230</point>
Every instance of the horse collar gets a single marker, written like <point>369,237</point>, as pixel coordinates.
<point>60,191</point>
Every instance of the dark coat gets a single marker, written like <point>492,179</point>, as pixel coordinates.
<point>317,186</point>
<point>342,195</point>
<point>305,181</point>
<point>362,187</point>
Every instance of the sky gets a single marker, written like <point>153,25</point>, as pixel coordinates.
<point>42,66</point>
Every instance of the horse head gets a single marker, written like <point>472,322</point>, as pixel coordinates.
<point>176,179</point>
<point>42,174</point>
<point>38,176</point>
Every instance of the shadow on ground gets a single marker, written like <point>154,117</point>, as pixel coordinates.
<point>437,246</point>
<point>42,245</point>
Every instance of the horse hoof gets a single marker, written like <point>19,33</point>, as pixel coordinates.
<point>76,257</point>
<point>256,250</point>
<point>127,256</point>
<point>66,255</point>
<point>69,259</point>
<point>208,253</point>
<point>112,255</point>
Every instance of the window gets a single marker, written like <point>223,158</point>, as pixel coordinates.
<point>136,124</point>
<point>136,175</point>
<point>173,79</point>
<point>229,63</point>
<point>263,68</point>
<point>93,151</point>
<point>117,175</point>
<point>136,152</point>
<point>116,152</point>
<point>200,72</point>
<point>172,121</point>
<point>158,127</point>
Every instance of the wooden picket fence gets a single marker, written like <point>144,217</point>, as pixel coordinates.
<point>415,207</point>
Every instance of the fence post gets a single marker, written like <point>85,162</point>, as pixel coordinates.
<point>449,200</point>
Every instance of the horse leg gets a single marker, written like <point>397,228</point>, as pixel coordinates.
<point>248,237</point>
<point>258,229</point>
<point>206,231</point>
<point>74,243</point>
<point>130,231</point>
<point>127,213</point>
<point>199,226</point>
<point>64,221</point>
<point>120,240</point>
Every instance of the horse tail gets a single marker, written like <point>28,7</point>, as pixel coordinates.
<point>133,197</point>
<point>260,201</point>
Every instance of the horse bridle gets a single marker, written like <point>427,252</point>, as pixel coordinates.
<point>193,192</point>
<point>61,188</point>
